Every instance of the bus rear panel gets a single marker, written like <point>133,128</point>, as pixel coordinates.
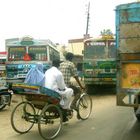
<point>23,54</point>
<point>100,62</point>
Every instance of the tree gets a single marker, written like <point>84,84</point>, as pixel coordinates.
<point>107,34</point>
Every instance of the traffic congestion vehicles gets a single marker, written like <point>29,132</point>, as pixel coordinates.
<point>21,55</point>
<point>39,105</point>
<point>128,55</point>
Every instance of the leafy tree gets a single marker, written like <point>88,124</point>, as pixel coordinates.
<point>107,34</point>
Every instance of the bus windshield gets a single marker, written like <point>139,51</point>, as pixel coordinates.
<point>21,53</point>
<point>16,53</point>
<point>112,49</point>
<point>38,53</point>
<point>2,61</point>
<point>94,50</point>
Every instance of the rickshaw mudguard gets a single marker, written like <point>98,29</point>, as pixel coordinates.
<point>4,91</point>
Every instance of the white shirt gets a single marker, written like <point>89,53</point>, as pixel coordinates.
<point>54,79</point>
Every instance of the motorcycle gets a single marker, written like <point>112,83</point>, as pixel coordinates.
<point>5,98</point>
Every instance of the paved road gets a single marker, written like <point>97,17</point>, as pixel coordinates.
<point>107,122</point>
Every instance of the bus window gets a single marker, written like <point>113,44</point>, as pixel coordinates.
<point>100,52</point>
<point>53,54</point>
<point>111,49</point>
<point>95,50</point>
<point>16,53</point>
<point>2,61</point>
<point>38,53</point>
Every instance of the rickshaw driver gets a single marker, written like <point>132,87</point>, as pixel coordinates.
<point>69,70</point>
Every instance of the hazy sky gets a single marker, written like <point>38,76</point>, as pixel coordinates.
<point>57,20</point>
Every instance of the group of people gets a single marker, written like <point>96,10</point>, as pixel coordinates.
<point>57,78</point>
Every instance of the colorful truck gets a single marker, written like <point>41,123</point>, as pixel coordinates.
<point>99,62</point>
<point>128,55</point>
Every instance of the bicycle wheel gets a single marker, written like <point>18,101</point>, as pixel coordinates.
<point>22,117</point>
<point>50,122</point>
<point>84,106</point>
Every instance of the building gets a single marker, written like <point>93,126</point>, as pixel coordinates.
<point>76,46</point>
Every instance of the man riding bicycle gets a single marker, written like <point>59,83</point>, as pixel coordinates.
<point>69,70</point>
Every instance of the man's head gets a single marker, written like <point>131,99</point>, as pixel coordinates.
<point>56,63</point>
<point>69,56</point>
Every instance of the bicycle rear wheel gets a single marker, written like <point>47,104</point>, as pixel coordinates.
<point>84,106</point>
<point>22,117</point>
<point>50,122</point>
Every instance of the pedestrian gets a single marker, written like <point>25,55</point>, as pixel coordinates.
<point>69,70</point>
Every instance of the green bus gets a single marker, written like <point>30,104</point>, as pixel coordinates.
<point>99,61</point>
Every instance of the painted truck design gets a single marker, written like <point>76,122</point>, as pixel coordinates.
<point>99,62</point>
<point>128,54</point>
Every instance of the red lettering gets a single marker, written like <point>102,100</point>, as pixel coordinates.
<point>133,72</point>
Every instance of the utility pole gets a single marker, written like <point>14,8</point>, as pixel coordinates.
<point>87,25</point>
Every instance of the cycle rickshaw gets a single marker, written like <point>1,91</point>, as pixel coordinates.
<point>44,110</point>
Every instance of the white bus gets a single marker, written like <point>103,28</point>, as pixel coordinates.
<point>2,69</point>
<point>24,53</point>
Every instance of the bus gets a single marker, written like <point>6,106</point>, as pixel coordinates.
<point>2,69</point>
<point>99,62</point>
<point>24,53</point>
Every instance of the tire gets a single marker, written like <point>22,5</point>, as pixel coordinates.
<point>50,122</point>
<point>2,104</point>
<point>136,108</point>
<point>84,107</point>
<point>22,117</point>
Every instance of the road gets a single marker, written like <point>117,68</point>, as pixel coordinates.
<point>107,122</point>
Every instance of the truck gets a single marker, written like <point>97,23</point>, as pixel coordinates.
<point>128,55</point>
